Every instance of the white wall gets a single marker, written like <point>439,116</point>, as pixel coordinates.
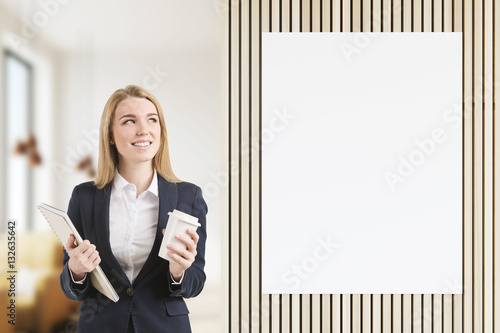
<point>42,56</point>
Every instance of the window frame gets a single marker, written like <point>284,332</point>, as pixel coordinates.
<point>7,53</point>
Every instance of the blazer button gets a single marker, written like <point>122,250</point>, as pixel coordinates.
<point>130,292</point>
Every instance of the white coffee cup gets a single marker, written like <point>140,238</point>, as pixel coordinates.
<point>178,223</point>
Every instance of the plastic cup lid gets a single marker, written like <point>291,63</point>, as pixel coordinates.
<point>185,217</point>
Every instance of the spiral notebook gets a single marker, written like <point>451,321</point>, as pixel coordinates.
<point>63,227</point>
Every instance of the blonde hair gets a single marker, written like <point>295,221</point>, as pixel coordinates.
<point>108,154</point>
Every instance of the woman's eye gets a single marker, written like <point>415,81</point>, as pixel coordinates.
<point>128,121</point>
<point>153,120</point>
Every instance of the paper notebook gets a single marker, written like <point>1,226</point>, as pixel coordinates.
<point>63,227</point>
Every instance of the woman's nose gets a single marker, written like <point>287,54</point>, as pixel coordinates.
<point>142,128</point>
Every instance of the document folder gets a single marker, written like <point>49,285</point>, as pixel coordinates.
<point>63,227</point>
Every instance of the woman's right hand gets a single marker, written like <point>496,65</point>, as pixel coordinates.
<point>82,258</point>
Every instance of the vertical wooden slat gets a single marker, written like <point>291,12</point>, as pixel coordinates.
<point>234,227</point>
<point>316,15</point>
<point>448,15</point>
<point>367,310</point>
<point>266,314</point>
<point>255,244</point>
<point>346,313</point>
<point>457,313</point>
<point>447,314</point>
<point>437,315</point>
<point>356,15</point>
<point>285,16</point>
<point>376,313</point>
<point>351,303</point>
<point>427,314</point>
<point>417,322</point>
<point>346,15</point>
<point>496,164</point>
<point>487,92</point>
<point>244,179</point>
<point>458,309</point>
<point>386,313</point>
<point>226,281</point>
<point>336,14</point>
<point>335,300</point>
<point>295,314</point>
<point>275,15</point>
<point>478,171</point>
<point>377,15</point>
<point>428,25</point>
<point>272,15</point>
<point>305,313</point>
<point>275,318</point>
<point>407,15</point>
<point>397,12</point>
<point>397,320</point>
<point>315,316</point>
<point>306,16</point>
<point>285,313</point>
<point>326,12</point>
<point>417,15</point>
<point>367,12</point>
<point>438,15</point>
<point>386,15</point>
<point>457,15</point>
<point>356,313</point>
<point>407,313</point>
<point>336,313</point>
<point>326,314</point>
<point>265,19</point>
<point>265,308</point>
<point>295,9</point>
<point>468,161</point>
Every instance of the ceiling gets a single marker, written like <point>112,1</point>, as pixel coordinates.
<point>72,25</point>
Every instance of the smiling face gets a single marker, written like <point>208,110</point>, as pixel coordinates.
<point>136,130</point>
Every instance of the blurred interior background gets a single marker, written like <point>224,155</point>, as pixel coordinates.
<point>59,63</point>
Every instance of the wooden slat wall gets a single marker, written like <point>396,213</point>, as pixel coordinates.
<point>247,310</point>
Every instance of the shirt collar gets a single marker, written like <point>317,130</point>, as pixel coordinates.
<point>119,182</point>
<point>153,187</point>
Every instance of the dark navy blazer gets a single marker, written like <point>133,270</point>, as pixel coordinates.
<point>153,303</point>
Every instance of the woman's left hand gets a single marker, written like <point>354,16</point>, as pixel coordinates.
<point>184,256</point>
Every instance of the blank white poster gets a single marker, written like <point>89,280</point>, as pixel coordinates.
<point>362,163</point>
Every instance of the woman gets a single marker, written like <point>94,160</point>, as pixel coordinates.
<point>122,216</point>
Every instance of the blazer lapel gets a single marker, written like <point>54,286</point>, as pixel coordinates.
<point>101,224</point>
<point>168,202</point>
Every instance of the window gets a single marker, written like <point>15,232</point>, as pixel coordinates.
<point>17,127</point>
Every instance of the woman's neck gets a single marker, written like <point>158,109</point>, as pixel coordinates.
<point>140,174</point>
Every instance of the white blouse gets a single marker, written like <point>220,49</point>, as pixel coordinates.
<point>132,223</point>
